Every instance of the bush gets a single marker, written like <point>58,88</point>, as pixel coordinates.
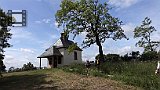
<point>110,57</point>
<point>75,67</point>
<point>28,66</point>
<point>113,57</point>
<point>113,67</point>
<point>95,72</point>
<point>12,69</point>
<point>150,55</point>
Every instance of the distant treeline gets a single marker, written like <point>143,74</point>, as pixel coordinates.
<point>26,67</point>
<point>133,56</point>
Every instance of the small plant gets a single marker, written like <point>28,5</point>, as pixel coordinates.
<point>74,67</point>
<point>95,72</point>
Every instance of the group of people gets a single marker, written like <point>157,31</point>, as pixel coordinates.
<point>88,64</point>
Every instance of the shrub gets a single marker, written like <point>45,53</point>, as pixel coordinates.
<point>112,57</point>
<point>150,55</point>
<point>95,72</point>
<point>28,66</point>
<point>75,67</point>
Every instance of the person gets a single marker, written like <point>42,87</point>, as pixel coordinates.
<point>97,63</point>
<point>158,68</point>
<point>88,65</point>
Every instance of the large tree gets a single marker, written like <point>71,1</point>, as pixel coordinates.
<point>144,32</point>
<point>92,18</point>
<point>5,35</point>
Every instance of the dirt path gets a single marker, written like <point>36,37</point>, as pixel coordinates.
<point>56,79</point>
<point>65,80</point>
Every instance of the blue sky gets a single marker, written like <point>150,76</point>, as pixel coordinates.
<point>41,30</point>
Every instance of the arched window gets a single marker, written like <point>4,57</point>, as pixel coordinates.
<point>75,55</point>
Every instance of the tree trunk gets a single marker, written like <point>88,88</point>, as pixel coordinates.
<point>149,42</point>
<point>101,53</point>
<point>100,49</point>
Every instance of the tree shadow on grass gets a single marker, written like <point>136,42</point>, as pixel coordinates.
<point>26,82</point>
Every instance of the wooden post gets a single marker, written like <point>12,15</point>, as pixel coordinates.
<point>40,64</point>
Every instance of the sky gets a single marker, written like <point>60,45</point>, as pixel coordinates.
<point>41,31</point>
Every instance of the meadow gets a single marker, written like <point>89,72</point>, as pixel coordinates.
<point>111,75</point>
<point>139,74</point>
<point>57,79</point>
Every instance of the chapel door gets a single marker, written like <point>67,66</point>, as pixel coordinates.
<point>55,61</point>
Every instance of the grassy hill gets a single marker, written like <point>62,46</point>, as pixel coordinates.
<point>139,74</point>
<point>53,79</point>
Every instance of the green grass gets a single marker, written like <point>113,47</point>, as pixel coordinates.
<point>138,74</point>
<point>141,74</point>
<point>27,80</point>
<point>53,79</point>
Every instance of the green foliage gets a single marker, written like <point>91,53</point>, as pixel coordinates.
<point>72,47</point>
<point>159,55</point>
<point>76,68</point>
<point>112,67</point>
<point>2,66</point>
<point>28,66</point>
<point>98,56</point>
<point>113,57</point>
<point>5,35</point>
<point>135,54</point>
<point>150,55</point>
<point>12,69</point>
<point>97,73</point>
<point>110,57</point>
<point>92,18</point>
<point>126,57</point>
<point>139,74</point>
<point>81,69</point>
<point>144,33</point>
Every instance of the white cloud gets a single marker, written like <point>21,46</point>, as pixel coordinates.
<point>90,53</point>
<point>56,24</point>
<point>26,50</point>
<point>9,57</point>
<point>123,3</point>
<point>18,57</point>
<point>156,36</point>
<point>123,50</point>
<point>46,44</point>
<point>20,33</point>
<point>55,36</point>
<point>45,20</point>
<point>38,22</point>
<point>128,29</point>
